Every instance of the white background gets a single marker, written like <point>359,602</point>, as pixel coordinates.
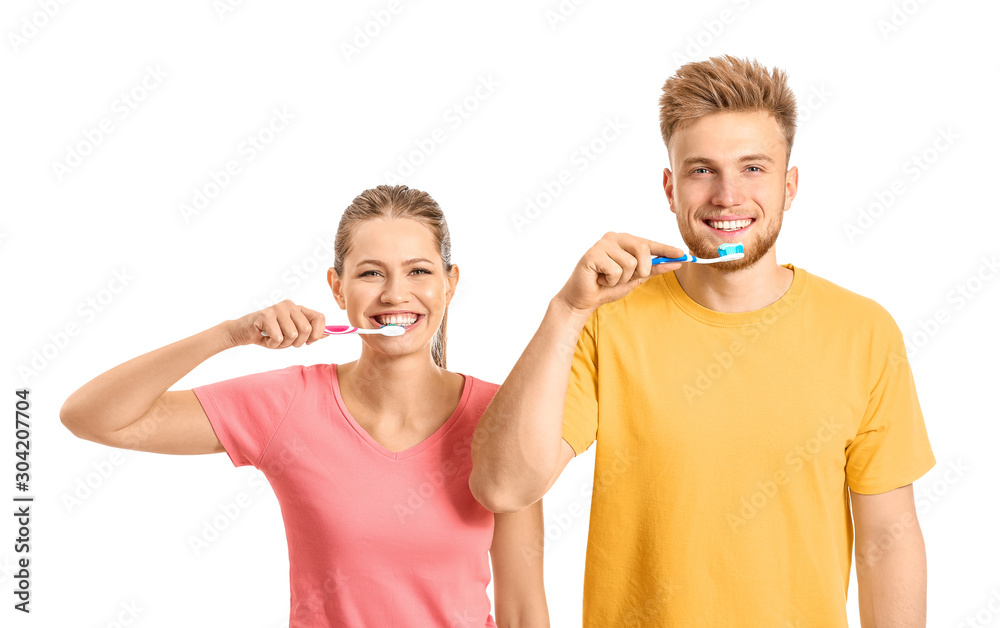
<point>871,99</point>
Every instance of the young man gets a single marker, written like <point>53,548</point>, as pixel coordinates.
<point>744,412</point>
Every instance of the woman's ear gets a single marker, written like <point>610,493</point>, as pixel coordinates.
<point>452,279</point>
<point>336,285</point>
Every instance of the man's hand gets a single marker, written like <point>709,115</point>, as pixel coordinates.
<point>612,268</point>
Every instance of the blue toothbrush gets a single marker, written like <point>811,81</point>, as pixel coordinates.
<point>726,252</point>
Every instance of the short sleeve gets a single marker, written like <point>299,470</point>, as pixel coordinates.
<point>246,411</point>
<point>891,448</point>
<point>580,411</point>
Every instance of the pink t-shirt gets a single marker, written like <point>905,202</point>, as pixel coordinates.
<point>375,537</point>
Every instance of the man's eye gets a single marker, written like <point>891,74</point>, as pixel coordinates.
<point>756,168</point>
<point>696,170</point>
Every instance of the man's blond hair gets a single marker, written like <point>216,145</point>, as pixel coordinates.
<point>726,84</point>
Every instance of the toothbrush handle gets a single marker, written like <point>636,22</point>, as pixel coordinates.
<point>336,330</point>
<point>668,260</point>
<point>340,329</point>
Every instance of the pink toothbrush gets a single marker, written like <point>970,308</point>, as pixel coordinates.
<point>340,330</point>
<point>385,330</point>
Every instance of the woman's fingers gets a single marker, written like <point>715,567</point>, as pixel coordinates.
<point>269,325</point>
<point>303,328</point>
<point>318,322</point>
<point>285,324</point>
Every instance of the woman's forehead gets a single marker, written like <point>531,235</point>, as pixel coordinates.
<point>388,239</point>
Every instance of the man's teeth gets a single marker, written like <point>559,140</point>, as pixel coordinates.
<point>729,225</point>
<point>397,319</point>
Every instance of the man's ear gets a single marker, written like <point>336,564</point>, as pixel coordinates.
<point>668,187</point>
<point>791,186</point>
<point>336,285</point>
<point>452,281</point>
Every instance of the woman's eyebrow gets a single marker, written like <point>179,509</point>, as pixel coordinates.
<point>409,262</point>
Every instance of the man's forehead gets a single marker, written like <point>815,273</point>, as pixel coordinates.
<point>728,137</point>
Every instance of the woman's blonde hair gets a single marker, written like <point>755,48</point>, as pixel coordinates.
<point>397,202</point>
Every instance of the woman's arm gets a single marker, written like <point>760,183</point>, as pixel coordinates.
<point>130,407</point>
<point>518,584</point>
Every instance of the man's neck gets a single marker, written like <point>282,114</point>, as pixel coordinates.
<point>740,291</point>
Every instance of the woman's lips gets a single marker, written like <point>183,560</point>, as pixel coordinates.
<point>377,324</point>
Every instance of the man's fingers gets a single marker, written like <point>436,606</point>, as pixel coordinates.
<point>638,249</point>
<point>608,270</point>
<point>632,243</point>
<point>624,260</point>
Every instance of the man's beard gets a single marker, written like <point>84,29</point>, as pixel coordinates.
<point>753,250</point>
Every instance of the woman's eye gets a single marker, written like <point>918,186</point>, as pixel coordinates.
<point>422,271</point>
<point>369,273</point>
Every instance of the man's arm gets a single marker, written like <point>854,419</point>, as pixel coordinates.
<point>891,561</point>
<point>517,450</point>
<point>518,574</point>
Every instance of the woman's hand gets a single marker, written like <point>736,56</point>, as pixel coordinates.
<point>285,323</point>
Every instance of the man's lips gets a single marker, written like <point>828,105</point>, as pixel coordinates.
<point>731,219</point>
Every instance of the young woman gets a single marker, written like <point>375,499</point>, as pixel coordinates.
<point>369,460</point>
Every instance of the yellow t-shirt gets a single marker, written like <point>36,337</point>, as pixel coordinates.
<point>725,447</point>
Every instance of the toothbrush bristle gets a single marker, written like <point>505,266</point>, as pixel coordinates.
<point>729,249</point>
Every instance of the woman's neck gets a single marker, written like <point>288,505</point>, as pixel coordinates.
<point>394,386</point>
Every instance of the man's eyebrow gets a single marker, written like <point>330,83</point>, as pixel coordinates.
<point>381,264</point>
<point>690,161</point>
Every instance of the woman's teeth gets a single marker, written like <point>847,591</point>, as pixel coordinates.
<point>397,319</point>
<point>729,225</point>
